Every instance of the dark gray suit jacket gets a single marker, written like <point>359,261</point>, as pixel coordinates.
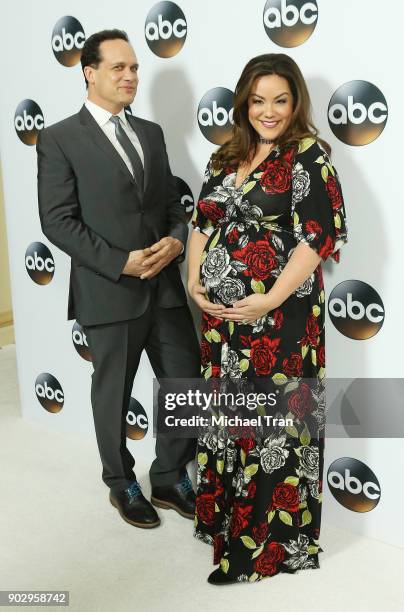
<point>90,207</point>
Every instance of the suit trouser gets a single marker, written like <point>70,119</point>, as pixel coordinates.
<point>169,338</point>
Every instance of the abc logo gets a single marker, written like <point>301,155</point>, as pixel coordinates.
<point>357,112</point>
<point>290,23</point>
<point>137,422</point>
<point>353,484</point>
<point>187,199</point>
<point>80,342</point>
<point>215,115</point>
<point>356,309</point>
<point>39,263</point>
<point>28,120</point>
<point>68,39</point>
<point>49,392</point>
<point>165,29</point>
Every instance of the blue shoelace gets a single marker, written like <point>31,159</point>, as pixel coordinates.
<point>186,484</point>
<point>134,490</point>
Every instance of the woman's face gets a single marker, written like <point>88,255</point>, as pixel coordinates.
<point>270,106</point>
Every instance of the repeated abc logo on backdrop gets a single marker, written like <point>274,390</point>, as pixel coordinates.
<point>290,23</point>
<point>353,484</point>
<point>165,29</point>
<point>137,422</point>
<point>49,392</point>
<point>28,120</point>
<point>357,112</point>
<point>68,39</point>
<point>39,263</point>
<point>356,309</point>
<point>186,196</point>
<point>215,115</point>
<point>79,340</point>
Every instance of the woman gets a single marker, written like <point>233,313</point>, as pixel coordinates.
<point>270,210</point>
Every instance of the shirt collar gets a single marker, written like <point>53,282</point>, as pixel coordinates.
<point>101,115</point>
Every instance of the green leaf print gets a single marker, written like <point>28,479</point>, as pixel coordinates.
<point>257,286</point>
<point>306,518</point>
<point>250,470</point>
<point>285,517</point>
<point>248,542</point>
<point>305,436</point>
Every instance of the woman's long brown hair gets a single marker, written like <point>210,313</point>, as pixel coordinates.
<point>242,145</point>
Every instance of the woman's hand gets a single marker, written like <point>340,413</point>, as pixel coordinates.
<point>197,292</point>
<point>250,308</point>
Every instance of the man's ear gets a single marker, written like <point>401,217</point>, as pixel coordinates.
<point>89,73</point>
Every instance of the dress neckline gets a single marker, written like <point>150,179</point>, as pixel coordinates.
<point>276,148</point>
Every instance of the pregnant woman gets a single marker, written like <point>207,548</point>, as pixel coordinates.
<point>270,211</point>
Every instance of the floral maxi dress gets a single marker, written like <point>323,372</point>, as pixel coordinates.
<point>259,502</point>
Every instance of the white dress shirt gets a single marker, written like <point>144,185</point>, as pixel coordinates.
<point>102,117</point>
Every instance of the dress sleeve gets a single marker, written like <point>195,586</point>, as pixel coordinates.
<point>206,213</point>
<point>317,202</point>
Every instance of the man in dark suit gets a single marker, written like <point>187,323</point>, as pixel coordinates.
<point>108,199</point>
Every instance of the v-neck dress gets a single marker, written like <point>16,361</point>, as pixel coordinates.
<point>259,499</point>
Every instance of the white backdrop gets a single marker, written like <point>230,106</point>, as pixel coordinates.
<point>351,41</point>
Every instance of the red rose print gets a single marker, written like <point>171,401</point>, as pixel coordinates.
<point>252,489</point>
<point>301,401</point>
<point>260,258</point>
<point>321,356</point>
<point>209,322</point>
<point>211,210</point>
<point>260,532</point>
<point>333,192</point>
<point>292,366</point>
<point>233,236</point>
<point>312,227</point>
<point>267,563</point>
<point>209,475</point>
<point>206,352</point>
<point>312,329</point>
<point>286,497</point>
<point>263,355</point>
<point>218,546</point>
<point>277,177</point>
<point>239,519</point>
<point>327,248</point>
<point>246,444</point>
<point>278,318</point>
<point>215,371</point>
<point>205,508</point>
<point>219,487</point>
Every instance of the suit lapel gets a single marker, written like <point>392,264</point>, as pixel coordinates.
<point>101,140</point>
<point>140,131</point>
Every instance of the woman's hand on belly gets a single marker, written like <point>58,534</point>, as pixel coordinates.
<point>198,292</point>
<point>250,308</point>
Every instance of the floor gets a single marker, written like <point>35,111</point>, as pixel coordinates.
<point>59,532</point>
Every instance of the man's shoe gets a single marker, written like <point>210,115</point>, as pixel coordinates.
<point>179,497</point>
<point>134,508</point>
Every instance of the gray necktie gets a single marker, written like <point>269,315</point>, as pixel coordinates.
<point>130,151</point>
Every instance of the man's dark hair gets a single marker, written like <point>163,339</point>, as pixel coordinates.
<point>90,55</point>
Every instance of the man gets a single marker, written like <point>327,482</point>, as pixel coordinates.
<point>108,199</point>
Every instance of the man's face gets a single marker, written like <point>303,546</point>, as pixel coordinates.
<point>113,84</point>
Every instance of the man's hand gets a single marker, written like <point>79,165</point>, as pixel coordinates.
<point>134,265</point>
<point>161,254</point>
